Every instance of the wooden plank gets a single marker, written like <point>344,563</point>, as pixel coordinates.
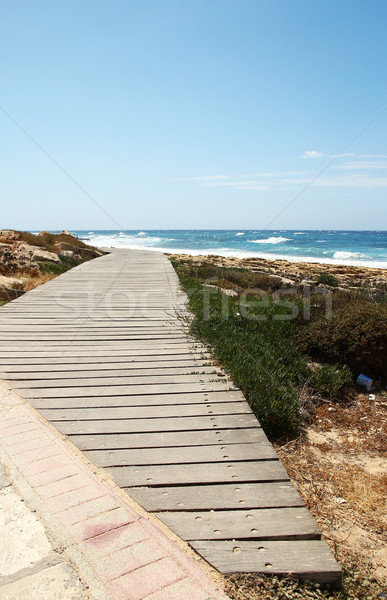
<point>217,497</point>
<point>100,357</point>
<point>93,366</point>
<point>157,424</point>
<point>304,559</point>
<point>87,383</point>
<point>124,371</point>
<point>165,439</point>
<point>181,455</point>
<point>141,400</point>
<point>120,390</point>
<point>180,474</point>
<point>144,412</point>
<point>257,524</point>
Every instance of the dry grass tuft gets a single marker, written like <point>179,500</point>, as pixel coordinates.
<point>33,281</point>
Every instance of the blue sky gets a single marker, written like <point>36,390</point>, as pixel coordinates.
<point>193,114</point>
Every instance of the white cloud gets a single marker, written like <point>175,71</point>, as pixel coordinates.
<point>200,178</point>
<point>373,155</point>
<point>312,154</point>
<point>343,155</point>
<point>250,184</point>
<point>363,164</point>
<point>357,180</point>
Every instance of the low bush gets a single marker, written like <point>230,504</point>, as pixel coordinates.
<point>330,380</point>
<point>65,264</point>
<point>328,279</point>
<point>356,335</point>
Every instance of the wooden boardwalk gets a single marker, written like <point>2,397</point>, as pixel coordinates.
<point>102,352</point>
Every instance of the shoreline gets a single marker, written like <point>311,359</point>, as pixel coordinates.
<point>353,276</point>
<point>243,255</point>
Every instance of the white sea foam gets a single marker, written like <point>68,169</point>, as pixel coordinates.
<point>240,233</point>
<point>348,255</point>
<point>141,233</point>
<point>270,240</point>
<point>162,245</point>
<point>299,233</point>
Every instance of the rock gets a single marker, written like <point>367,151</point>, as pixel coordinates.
<point>7,236</point>
<point>65,232</point>
<point>11,282</point>
<point>7,294</point>
<point>40,254</point>
<point>16,258</point>
<point>84,252</point>
<point>66,253</point>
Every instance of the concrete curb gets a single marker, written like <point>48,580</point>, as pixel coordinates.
<point>119,552</point>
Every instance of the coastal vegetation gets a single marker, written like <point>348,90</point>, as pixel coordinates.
<point>28,260</point>
<point>270,344</point>
<point>296,356</point>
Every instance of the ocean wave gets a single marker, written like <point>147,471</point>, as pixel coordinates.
<point>240,233</point>
<point>141,233</point>
<point>299,232</point>
<point>348,255</point>
<point>270,240</point>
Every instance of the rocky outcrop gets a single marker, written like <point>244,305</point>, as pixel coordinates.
<point>10,288</point>
<point>61,247</point>
<point>39,254</point>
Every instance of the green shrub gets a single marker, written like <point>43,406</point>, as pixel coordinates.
<point>65,264</point>
<point>330,380</point>
<point>356,335</point>
<point>328,279</point>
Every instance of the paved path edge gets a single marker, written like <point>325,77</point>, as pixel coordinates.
<point>120,551</point>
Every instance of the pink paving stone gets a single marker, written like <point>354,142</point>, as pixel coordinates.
<point>20,438</point>
<point>130,558</point>
<point>147,580</point>
<point>185,589</point>
<point>53,475</point>
<point>39,441</point>
<point>73,498</point>
<point>112,519</point>
<point>113,541</point>
<point>87,510</point>
<point>74,482</point>
<point>173,550</point>
<point>12,421</point>
<point>46,464</point>
<point>26,458</point>
<point>14,429</point>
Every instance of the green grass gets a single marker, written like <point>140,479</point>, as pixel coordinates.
<point>256,347</point>
<point>66,263</point>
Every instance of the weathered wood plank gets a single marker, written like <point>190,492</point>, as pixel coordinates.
<point>155,475</point>
<point>117,380</point>
<point>125,370</point>
<point>217,497</point>
<point>181,455</point>
<point>165,439</point>
<point>257,524</point>
<point>119,390</point>
<point>156,424</point>
<point>144,412</point>
<point>309,559</point>
<point>141,400</point>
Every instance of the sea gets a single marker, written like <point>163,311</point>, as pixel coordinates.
<point>363,248</point>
